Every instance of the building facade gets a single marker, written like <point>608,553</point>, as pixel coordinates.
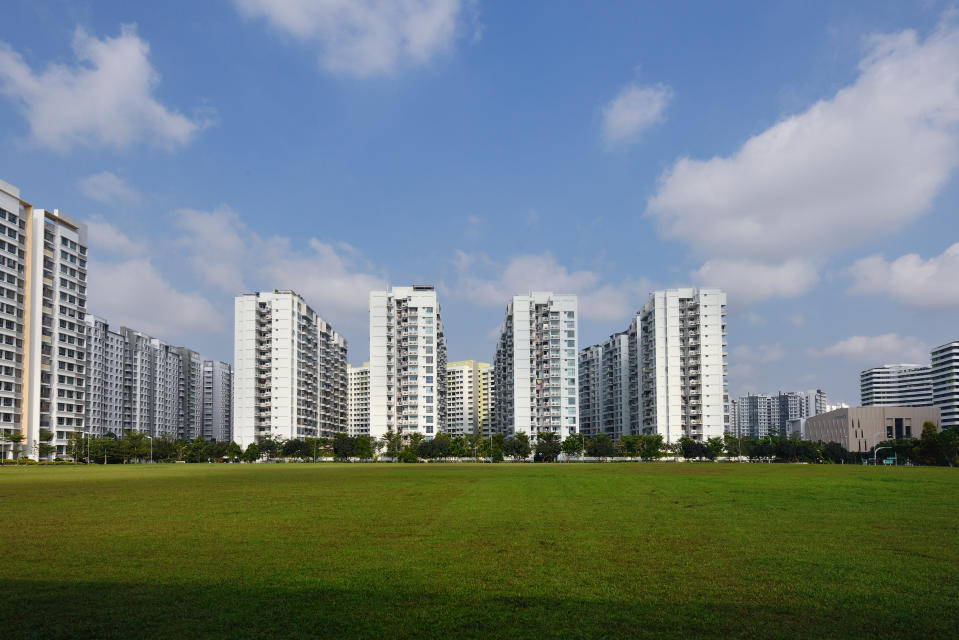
<point>945,382</point>
<point>105,379</point>
<point>467,397</point>
<point>55,353</point>
<point>861,428</point>
<point>217,401</point>
<point>536,369</point>
<point>14,214</point>
<point>358,403</point>
<point>896,385</point>
<point>278,371</point>
<point>605,399</point>
<point>679,338</point>
<point>332,381</point>
<point>407,362</point>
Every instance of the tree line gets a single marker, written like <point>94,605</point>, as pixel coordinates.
<point>931,448</point>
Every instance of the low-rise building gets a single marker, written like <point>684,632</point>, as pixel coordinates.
<point>861,428</point>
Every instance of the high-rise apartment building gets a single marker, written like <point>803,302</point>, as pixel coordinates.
<point>138,383</point>
<point>152,381</point>
<point>407,362</point>
<point>14,214</point>
<point>467,397</point>
<point>333,384</point>
<point>680,340</point>
<point>278,371</point>
<point>486,404</point>
<point>896,385</point>
<point>816,402</point>
<point>945,382</point>
<point>758,415</point>
<point>55,350</point>
<point>604,388</point>
<point>536,369</point>
<point>105,378</point>
<point>217,401</point>
<point>358,402</point>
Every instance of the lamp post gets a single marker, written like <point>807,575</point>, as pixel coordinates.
<point>875,451</point>
<point>151,449</point>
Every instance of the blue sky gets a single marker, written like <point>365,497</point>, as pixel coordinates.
<point>799,155</point>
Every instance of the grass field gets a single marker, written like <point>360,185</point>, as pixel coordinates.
<point>641,550</point>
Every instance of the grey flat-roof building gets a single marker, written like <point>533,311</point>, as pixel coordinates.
<point>861,428</point>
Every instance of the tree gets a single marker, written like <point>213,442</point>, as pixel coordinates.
<point>496,447</point>
<point>715,446</point>
<point>165,448</point>
<point>77,446</point>
<point>392,443</point>
<point>936,448</point>
<point>460,447</point>
<point>296,448</point>
<point>601,446</point>
<point>344,446</point>
<point>233,451</point>
<point>548,446</point>
<point>572,445</point>
<point>197,450</point>
<point>834,452</point>
<point>442,444</point>
<point>364,447</point>
<point>517,447</point>
<point>651,446</point>
<point>252,453</point>
<point>630,445</point>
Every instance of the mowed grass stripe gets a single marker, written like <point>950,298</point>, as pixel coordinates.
<point>658,550</point>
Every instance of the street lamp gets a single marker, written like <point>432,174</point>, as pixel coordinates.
<point>151,449</point>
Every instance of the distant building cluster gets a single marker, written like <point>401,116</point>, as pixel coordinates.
<point>66,372</point>
<point>917,385</point>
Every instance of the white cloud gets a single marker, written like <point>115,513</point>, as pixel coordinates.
<point>761,354</point>
<point>367,37</point>
<point>105,100</point>
<point>217,249</point>
<point>633,111</point>
<point>489,283</point>
<point>109,188</point>
<point>134,294</point>
<point>888,348</point>
<point>104,237</point>
<point>748,281</point>
<point>334,279</point>
<point>928,284</point>
<point>866,161</point>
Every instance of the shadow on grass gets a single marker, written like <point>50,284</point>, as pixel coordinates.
<point>33,609</point>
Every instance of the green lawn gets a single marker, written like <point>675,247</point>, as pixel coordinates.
<point>612,550</point>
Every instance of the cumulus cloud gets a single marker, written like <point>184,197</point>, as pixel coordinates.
<point>633,111</point>
<point>747,281</point>
<point>877,350</point>
<point>489,283</point>
<point>105,100</point>
<point>366,37</point>
<point>109,188</point>
<point>133,293</point>
<point>865,161</point>
<point>333,278</point>
<point>104,237</point>
<point>929,284</point>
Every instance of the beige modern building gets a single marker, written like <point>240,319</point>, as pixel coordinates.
<point>862,428</point>
<point>44,274</point>
<point>467,397</point>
